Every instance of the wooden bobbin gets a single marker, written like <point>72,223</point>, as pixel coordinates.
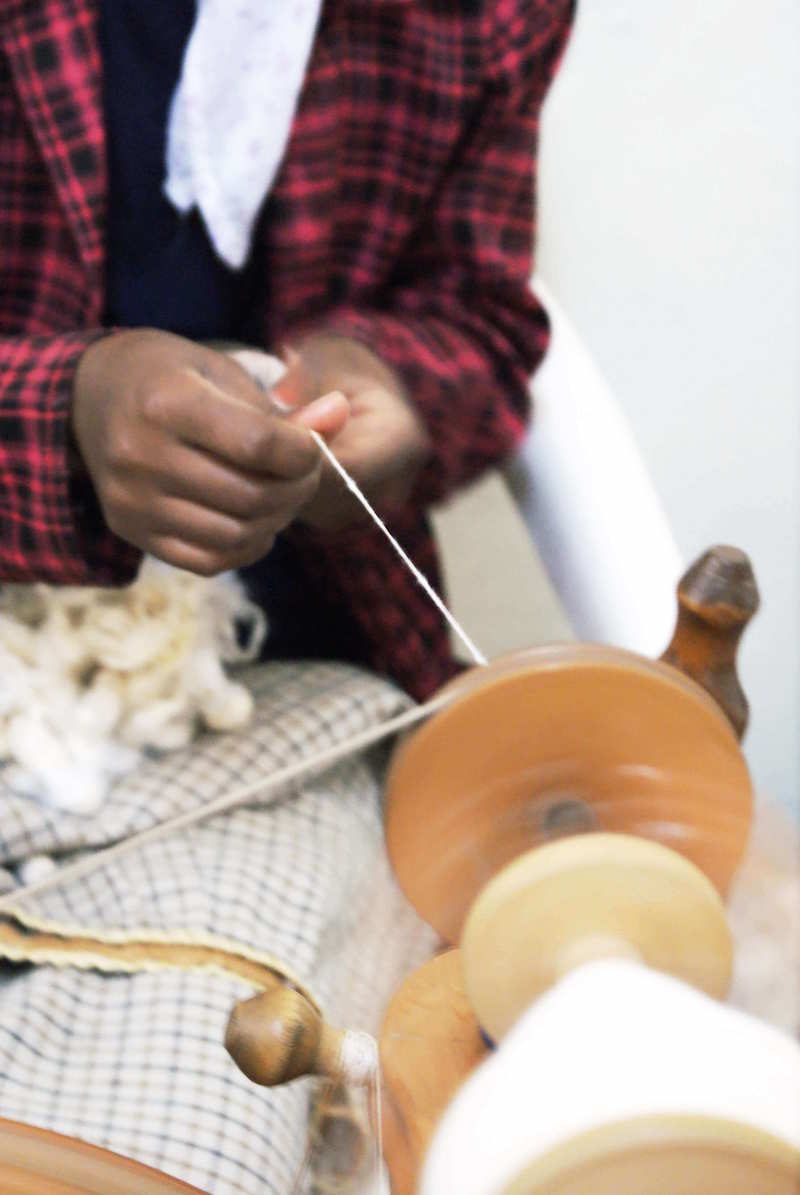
<point>592,896</point>
<point>618,1078</point>
<point>584,898</point>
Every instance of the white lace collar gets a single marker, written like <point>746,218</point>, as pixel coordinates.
<point>232,112</point>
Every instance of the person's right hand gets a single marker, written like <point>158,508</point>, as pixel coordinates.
<point>188,458</point>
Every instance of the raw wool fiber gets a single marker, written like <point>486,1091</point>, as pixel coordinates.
<point>91,679</point>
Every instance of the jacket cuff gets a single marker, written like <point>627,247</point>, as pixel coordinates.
<point>68,542</point>
<point>470,421</point>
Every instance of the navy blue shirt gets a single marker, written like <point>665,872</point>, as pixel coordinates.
<point>162,272</point>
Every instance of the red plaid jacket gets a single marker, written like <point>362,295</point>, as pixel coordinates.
<point>402,216</point>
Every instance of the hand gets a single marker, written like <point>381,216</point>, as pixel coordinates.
<point>189,460</point>
<point>382,445</point>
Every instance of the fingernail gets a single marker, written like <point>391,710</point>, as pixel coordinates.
<point>328,404</point>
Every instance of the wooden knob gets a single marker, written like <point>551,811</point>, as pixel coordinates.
<point>278,1036</point>
<point>717,597</point>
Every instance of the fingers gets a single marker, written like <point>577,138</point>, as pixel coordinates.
<point>206,562</point>
<point>187,455</point>
<point>200,537</point>
<point>209,528</point>
<point>211,483</point>
<point>205,541</point>
<point>245,434</point>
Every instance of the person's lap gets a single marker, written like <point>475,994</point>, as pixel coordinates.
<point>135,1062</point>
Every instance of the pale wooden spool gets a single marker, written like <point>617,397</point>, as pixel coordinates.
<point>694,1155</point>
<point>570,1111</point>
<point>617,1079</point>
<point>587,897</point>
<point>554,908</point>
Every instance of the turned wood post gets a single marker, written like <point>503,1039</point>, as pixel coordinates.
<point>717,597</point>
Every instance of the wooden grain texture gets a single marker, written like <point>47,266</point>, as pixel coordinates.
<point>429,1044</point>
<point>38,1162</point>
<point>588,897</point>
<point>717,597</point>
<point>278,1036</point>
<point>579,736</point>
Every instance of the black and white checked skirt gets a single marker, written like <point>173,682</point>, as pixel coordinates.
<point>134,1062</point>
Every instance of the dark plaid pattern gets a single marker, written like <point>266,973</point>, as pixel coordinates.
<point>298,880</point>
<point>402,216</point>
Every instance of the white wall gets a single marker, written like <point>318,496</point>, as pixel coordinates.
<point>669,190</point>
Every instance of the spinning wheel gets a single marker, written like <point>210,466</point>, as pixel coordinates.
<point>532,850</point>
<point>573,818</point>
<point>37,1162</point>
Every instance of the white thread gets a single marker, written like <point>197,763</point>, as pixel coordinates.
<point>358,1057</point>
<point>259,788</point>
<point>37,868</point>
<point>476,654</point>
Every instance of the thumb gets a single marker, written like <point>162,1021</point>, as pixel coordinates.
<point>326,415</point>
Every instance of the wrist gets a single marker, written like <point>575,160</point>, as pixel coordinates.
<point>108,356</point>
<point>88,371</point>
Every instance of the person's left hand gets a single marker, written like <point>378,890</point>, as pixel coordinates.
<point>382,445</point>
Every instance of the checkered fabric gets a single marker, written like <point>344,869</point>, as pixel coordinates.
<point>402,216</point>
<point>135,1062</point>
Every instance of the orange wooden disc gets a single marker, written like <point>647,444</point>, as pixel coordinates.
<point>554,741</point>
<point>429,1044</point>
<point>35,1161</point>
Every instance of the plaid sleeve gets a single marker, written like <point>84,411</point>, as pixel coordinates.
<point>51,528</point>
<point>462,328</point>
